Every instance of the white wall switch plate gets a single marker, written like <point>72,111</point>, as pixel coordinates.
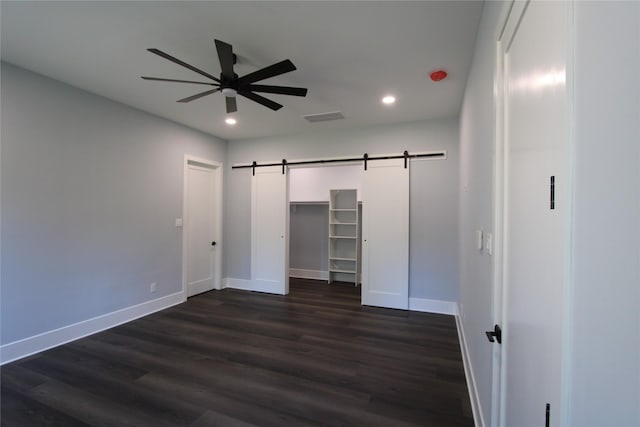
<point>178,222</point>
<point>488,244</point>
<point>154,287</point>
<point>479,239</point>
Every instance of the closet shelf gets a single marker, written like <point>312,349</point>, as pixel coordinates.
<point>332,270</point>
<point>343,223</point>
<point>343,237</point>
<point>342,259</point>
<point>343,210</point>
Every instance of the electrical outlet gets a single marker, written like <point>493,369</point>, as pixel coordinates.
<point>154,287</point>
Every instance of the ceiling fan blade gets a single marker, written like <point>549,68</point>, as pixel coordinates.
<point>232,107</point>
<point>198,95</point>
<point>225,55</point>
<point>160,79</point>
<point>282,90</point>
<point>281,67</point>
<point>184,64</point>
<point>261,100</point>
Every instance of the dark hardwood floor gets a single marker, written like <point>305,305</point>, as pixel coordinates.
<point>235,358</point>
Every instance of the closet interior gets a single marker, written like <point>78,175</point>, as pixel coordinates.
<point>325,223</point>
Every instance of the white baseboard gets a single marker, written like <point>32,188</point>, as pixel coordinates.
<point>46,340</point>
<point>230,282</point>
<point>433,306</point>
<point>308,274</point>
<point>249,285</point>
<point>478,418</point>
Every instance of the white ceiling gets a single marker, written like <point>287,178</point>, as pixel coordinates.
<point>348,54</point>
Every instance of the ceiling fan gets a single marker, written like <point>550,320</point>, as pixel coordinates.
<point>231,85</point>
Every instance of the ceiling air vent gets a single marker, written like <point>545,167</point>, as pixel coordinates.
<point>324,117</point>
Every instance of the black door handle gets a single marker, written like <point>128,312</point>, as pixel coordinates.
<point>213,243</point>
<point>495,335</point>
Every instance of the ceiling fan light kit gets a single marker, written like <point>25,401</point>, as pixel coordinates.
<point>229,92</point>
<point>230,84</point>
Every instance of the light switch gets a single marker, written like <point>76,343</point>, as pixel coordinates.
<point>479,239</point>
<point>178,222</point>
<point>488,244</point>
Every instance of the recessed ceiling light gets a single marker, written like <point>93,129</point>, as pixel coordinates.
<point>230,121</point>
<point>389,99</point>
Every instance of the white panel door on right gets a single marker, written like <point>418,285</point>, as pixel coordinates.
<point>385,234</point>
<point>537,208</point>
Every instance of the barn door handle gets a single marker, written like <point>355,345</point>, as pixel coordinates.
<point>495,335</point>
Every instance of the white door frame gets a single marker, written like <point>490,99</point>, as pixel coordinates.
<point>216,167</point>
<point>509,12</point>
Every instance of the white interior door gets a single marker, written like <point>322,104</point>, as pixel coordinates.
<point>201,234</point>
<point>536,140</point>
<point>385,234</point>
<point>269,230</point>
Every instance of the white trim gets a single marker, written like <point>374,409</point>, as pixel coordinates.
<point>230,282</point>
<point>217,167</point>
<point>474,397</point>
<point>308,274</point>
<point>250,285</point>
<point>498,216</point>
<point>566,363</point>
<point>433,306</point>
<point>46,340</point>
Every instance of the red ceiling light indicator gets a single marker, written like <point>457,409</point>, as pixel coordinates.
<point>438,75</point>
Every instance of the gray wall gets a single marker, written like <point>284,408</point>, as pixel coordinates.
<point>434,203</point>
<point>604,361</point>
<point>90,192</point>
<point>308,236</point>
<point>476,204</point>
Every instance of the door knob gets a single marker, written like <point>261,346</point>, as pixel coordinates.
<point>495,335</point>
<point>213,243</point>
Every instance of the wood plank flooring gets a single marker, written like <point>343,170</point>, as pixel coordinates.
<point>235,358</point>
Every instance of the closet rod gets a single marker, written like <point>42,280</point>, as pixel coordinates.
<point>365,158</point>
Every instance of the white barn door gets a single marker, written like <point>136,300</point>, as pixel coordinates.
<point>385,234</point>
<point>269,230</point>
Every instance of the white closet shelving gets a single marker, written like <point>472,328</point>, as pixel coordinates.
<point>343,236</point>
